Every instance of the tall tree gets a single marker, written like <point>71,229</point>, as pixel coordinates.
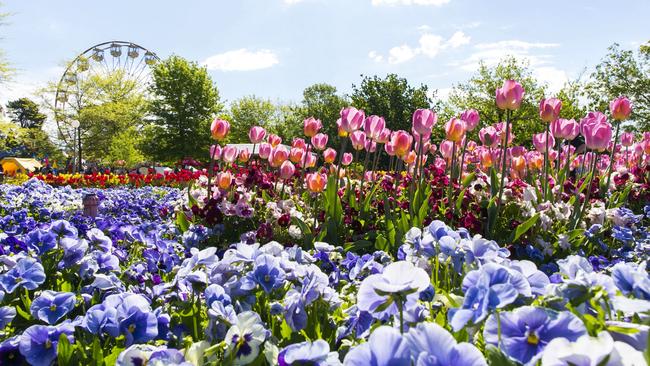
<point>247,112</point>
<point>5,69</point>
<point>479,93</point>
<point>25,113</point>
<point>184,101</point>
<point>321,101</point>
<point>623,72</point>
<point>391,97</point>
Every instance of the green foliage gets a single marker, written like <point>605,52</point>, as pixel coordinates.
<point>321,101</point>
<point>25,113</point>
<point>28,141</point>
<point>184,102</point>
<point>124,146</point>
<point>392,97</point>
<point>6,71</point>
<point>248,112</point>
<point>622,72</point>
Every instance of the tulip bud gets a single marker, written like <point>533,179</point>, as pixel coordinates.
<point>509,96</point>
<point>423,121</point>
<point>224,180</point>
<point>329,155</point>
<point>627,139</point>
<point>540,141</point>
<point>549,109</point>
<point>278,156</point>
<point>256,134</point>
<point>373,126</point>
<point>401,141</point>
<point>296,154</point>
<point>455,129</point>
<point>287,169</point>
<point>311,126</point>
<point>316,182</point>
<point>215,152</point>
<point>471,118</point>
<point>229,153</point>
<point>244,156</point>
<point>620,108</point>
<point>358,139</point>
<point>347,159</point>
<point>219,129</point>
<point>265,150</point>
<point>275,140</point>
<point>319,141</point>
<point>351,119</point>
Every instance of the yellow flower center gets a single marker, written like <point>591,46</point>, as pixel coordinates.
<point>267,278</point>
<point>48,344</point>
<point>131,328</point>
<point>533,339</point>
<point>53,307</point>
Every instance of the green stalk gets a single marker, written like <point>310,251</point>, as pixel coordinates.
<point>503,157</point>
<point>611,160</point>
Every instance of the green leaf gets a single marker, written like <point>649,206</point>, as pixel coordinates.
<point>97,353</point>
<point>64,350</point>
<point>525,226</point>
<point>459,200</point>
<point>468,179</point>
<point>495,357</point>
<point>112,357</point>
<point>494,183</point>
<point>357,245</point>
<point>285,330</point>
<point>181,221</point>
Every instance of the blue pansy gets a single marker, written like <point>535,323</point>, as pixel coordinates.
<point>27,273</point>
<point>41,241</point>
<point>385,347</point>
<point>51,306</point>
<point>38,343</point>
<point>7,314</point>
<point>315,353</point>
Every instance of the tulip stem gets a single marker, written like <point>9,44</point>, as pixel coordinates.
<point>462,157</point>
<point>546,165</point>
<point>451,180</point>
<point>503,158</point>
<point>611,162</point>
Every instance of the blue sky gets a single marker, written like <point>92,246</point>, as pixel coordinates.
<point>275,48</point>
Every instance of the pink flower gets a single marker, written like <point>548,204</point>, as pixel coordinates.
<point>539,140</point>
<point>509,96</point>
<point>517,150</point>
<point>219,129</point>
<point>329,155</point>
<point>370,146</point>
<point>347,159</point>
<point>384,136</point>
<point>471,118</point>
<point>489,136</point>
<point>423,121</point>
<point>401,141</point>
<point>446,148</point>
<point>620,108</point>
<point>455,129</point>
<point>279,155</point>
<point>373,126</point>
<point>287,169</point>
<point>549,109</point>
<point>501,130</point>
<point>389,148</point>
<point>627,139</point>
<point>309,160</point>
<point>299,143</point>
<point>275,140</point>
<point>566,129</point>
<point>224,180</point>
<point>256,134</point>
<point>265,150</point>
<point>296,154</point>
<point>316,182</point>
<point>311,126</point>
<point>215,152</point>
<point>229,153</point>
<point>597,135</point>
<point>358,139</point>
<point>319,141</point>
<point>244,155</point>
<point>351,119</point>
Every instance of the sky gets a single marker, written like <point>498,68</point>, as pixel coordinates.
<point>276,48</point>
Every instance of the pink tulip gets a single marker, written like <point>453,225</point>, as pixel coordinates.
<point>517,151</point>
<point>423,121</point>
<point>540,143</point>
<point>627,139</point>
<point>401,141</point>
<point>329,155</point>
<point>279,155</point>
<point>256,134</point>
<point>347,159</point>
<point>471,145</point>
<point>501,129</point>
<point>275,140</point>
<point>597,135</point>
<point>219,129</point>
<point>215,152</point>
<point>224,180</point>
<point>373,126</point>
<point>244,155</point>
<point>446,148</point>
<point>455,129</point>
<point>509,96</point>
<point>340,130</point>
<point>311,126</point>
<point>358,139</point>
<point>426,146</point>
<point>620,108</point>
<point>410,157</point>
<point>316,182</point>
<point>299,143</point>
<point>471,118</point>
<point>351,119</point>
<point>370,146</point>
<point>319,141</point>
<point>309,160</point>
<point>287,169</point>
<point>265,150</point>
<point>566,129</point>
<point>229,153</point>
<point>549,109</point>
<point>389,148</point>
<point>489,136</point>
<point>432,149</point>
<point>296,154</point>
<point>384,136</point>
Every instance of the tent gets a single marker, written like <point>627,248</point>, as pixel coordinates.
<point>12,166</point>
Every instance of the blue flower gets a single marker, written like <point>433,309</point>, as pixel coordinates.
<point>51,306</point>
<point>7,314</point>
<point>101,319</point>
<point>266,273</point>
<point>168,357</point>
<point>27,273</point>
<point>41,241</point>
<point>38,343</point>
<point>308,353</point>
<point>525,331</point>
<point>62,228</point>
<point>632,279</point>
<point>399,284</point>
<point>385,347</point>
<point>432,345</point>
<point>9,352</point>
<point>245,337</point>
<point>139,326</point>
<point>622,233</point>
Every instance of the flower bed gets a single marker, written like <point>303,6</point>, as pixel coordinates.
<point>104,180</point>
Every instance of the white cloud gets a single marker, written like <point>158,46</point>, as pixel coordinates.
<point>458,39</point>
<point>552,76</point>
<point>492,53</point>
<point>429,45</point>
<point>375,56</point>
<point>399,54</point>
<point>242,60</point>
<point>409,2</point>
<point>291,2</point>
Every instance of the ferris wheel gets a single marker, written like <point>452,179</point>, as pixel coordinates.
<point>130,60</point>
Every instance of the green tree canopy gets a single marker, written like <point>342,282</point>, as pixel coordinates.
<point>6,71</point>
<point>321,101</point>
<point>622,72</point>
<point>391,97</point>
<point>25,113</point>
<point>184,102</point>
<point>247,112</point>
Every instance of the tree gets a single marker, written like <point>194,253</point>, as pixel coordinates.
<point>322,102</point>
<point>391,97</point>
<point>184,102</point>
<point>479,93</point>
<point>124,146</point>
<point>5,69</point>
<point>248,112</point>
<point>25,113</point>
<point>622,72</point>
<point>26,142</point>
